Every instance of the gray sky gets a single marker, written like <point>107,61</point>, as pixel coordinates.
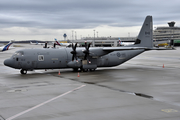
<point>49,19</point>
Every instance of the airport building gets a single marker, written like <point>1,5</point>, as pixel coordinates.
<point>168,33</point>
<point>160,33</point>
<point>105,41</point>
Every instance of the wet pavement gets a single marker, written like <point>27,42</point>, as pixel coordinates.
<point>140,89</point>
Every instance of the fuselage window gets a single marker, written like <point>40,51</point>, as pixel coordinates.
<point>40,57</point>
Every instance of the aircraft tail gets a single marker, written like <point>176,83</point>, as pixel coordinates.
<point>120,43</point>
<point>57,42</point>
<point>145,37</point>
<point>6,47</point>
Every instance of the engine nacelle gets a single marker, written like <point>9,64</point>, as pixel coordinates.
<point>75,64</point>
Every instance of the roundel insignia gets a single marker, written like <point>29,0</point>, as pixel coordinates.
<point>118,54</point>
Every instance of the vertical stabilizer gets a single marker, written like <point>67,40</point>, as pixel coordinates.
<point>6,47</point>
<point>57,42</point>
<point>145,37</point>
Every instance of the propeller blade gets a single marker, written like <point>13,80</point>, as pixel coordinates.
<point>89,45</point>
<point>75,45</point>
<point>86,52</point>
<point>86,45</point>
<point>74,51</point>
<point>72,46</point>
<point>73,57</point>
<point>85,57</point>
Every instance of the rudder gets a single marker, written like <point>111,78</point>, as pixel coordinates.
<point>145,37</point>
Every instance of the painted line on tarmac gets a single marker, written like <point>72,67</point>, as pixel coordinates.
<point>41,104</point>
<point>169,110</point>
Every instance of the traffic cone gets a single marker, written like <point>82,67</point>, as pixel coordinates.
<point>78,74</point>
<point>59,73</point>
<point>163,65</point>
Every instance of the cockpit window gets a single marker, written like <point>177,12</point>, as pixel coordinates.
<point>19,53</point>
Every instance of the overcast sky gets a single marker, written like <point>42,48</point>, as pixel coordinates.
<point>49,19</point>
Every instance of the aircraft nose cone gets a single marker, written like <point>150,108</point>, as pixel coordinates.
<point>8,62</point>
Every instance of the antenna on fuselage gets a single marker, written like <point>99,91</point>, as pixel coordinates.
<point>54,45</point>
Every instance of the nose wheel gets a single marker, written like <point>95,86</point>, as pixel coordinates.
<point>22,71</point>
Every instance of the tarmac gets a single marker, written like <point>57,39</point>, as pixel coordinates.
<point>145,88</point>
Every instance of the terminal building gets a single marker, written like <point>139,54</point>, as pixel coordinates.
<point>105,41</point>
<point>169,33</point>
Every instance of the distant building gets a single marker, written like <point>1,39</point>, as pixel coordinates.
<point>128,39</point>
<point>169,33</point>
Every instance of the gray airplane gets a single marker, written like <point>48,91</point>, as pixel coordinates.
<point>82,58</point>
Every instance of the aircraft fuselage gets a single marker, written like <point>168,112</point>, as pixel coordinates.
<point>32,59</point>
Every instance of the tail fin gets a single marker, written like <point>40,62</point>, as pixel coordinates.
<point>6,47</point>
<point>145,37</point>
<point>57,42</point>
<point>119,41</point>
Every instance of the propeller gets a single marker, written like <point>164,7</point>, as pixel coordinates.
<point>86,52</point>
<point>74,52</point>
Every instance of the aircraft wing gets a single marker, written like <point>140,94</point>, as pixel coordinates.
<point>122,48</point>
<point>163,48</point>
<point>133,48</point>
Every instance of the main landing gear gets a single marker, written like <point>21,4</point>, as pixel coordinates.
<point>22,71</point>
<point>86,70</point>
<point>75,69</point>
<point>83,70</point>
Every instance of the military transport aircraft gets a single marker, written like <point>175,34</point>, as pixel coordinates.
<point>82,58</point>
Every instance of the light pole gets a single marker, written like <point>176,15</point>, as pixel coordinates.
<point>72,35</point>
<point>75,35</point>
<point>154,34</point>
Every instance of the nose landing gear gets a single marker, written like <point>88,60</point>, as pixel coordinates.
<point>22,71</point>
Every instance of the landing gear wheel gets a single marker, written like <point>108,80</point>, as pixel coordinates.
<point>23,71</point>
<point>92,69</point>
<point>75,69</point>
<point>85,70</point>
